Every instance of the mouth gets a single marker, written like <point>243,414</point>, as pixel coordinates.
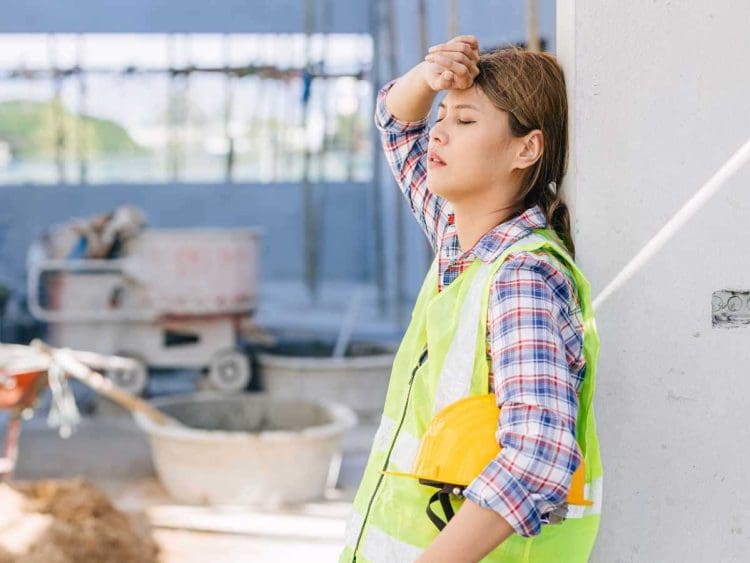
<point>434,160</point>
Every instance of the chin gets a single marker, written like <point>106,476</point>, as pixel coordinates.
<point>443,187</point>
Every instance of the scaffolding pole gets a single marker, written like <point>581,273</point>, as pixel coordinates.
<point>57,109</point>
<point>376,22</point>
<point>532,26</point>
<point>308,199</point>
<point>453,19</point>
<point>390,56</point>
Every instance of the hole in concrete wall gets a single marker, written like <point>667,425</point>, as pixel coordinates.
<point>730,308</point>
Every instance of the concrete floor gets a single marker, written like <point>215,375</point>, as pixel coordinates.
<point>108,448</point>
<point>193,534</point>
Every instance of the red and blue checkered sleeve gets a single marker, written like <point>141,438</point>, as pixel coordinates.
<point>530,310</point>
<point>405,147</point>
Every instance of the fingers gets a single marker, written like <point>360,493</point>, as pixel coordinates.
<point>458,63</point>
<point>446,80</point>
<point>462,48</point>
<point>446,58</point>
<point>470,39</point>
<point>456,46</point>
<point>453,64</point>
<point>459,51</point>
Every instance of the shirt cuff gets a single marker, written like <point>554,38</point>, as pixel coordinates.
<point>386,121</point>
<point>497,489</point>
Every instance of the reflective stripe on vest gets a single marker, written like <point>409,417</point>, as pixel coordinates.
<point>378,546</point>
<point>404,450</point>
<point>455,377</point>
<point>591,491</point>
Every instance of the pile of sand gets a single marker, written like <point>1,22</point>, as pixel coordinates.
<point>68,521</point>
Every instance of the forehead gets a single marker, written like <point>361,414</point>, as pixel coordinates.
<point>471,96</point>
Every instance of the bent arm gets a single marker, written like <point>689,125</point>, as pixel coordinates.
<point>411,98</point>
<point>532,473</point>
<point>401,111</point>
<point>537,395</point>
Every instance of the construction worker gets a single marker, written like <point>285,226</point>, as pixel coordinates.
<point>503,314</point>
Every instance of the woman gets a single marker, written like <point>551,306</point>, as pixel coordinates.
<point>503,310</point>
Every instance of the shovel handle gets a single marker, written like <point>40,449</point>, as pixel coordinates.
<point>100,384</point>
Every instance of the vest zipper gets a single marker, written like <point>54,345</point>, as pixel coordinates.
<point>421,361</point>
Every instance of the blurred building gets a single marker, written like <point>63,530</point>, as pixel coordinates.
<point>227,114</point>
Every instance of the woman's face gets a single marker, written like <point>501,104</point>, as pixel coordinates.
<point>472,137</point>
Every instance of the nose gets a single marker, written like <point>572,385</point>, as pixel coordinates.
<point>437,135</point>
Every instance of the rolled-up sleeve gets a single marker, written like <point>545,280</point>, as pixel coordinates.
<point>536,392</point>
<point>405,147</point>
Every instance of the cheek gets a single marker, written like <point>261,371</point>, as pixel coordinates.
<point>485,155</point>
<point>477,158</point>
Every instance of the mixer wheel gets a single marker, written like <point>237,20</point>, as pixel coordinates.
<point>132,380</point>
<point>229,370</point>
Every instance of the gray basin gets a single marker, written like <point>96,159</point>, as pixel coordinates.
<point>247,449</point>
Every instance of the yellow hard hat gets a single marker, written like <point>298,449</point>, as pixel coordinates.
<point>460,442</point>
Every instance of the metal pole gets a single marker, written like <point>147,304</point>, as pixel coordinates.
<point>376,22</point>
<point>324,175</point>
<point>172,149</point>
<point>228,103</point>
<point>422,24</point>
<point>311,274</point>
<point>532,26</point>
<point>353,132</point>
<point>423,46</point>
<point>398,212</point>
<point>81,124</point>
<point>453,19</point>
<point>57,110</point>
<point>186,129</point>
<point>327,15</point>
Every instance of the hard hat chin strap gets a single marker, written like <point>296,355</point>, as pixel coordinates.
<point>443,495</point>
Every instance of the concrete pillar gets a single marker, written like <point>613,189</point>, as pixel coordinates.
<point>659,96</point>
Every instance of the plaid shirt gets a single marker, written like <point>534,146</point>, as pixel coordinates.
<point>534,340</point>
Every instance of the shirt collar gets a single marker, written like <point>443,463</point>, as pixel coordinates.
<point>500,237</point>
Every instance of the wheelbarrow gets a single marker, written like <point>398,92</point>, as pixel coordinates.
<point>23,376</point>
<point>25,371</point>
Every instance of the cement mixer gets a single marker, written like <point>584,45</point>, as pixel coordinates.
<point>173,298</point>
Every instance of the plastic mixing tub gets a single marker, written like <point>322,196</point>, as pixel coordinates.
<point>247,449</point>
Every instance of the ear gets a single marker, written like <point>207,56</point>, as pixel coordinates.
<point>530,149</point>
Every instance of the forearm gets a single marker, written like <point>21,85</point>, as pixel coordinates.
<point>470,535</point>
<point>411,98</point>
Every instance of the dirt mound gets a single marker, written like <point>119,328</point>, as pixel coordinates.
<point>68,521</point>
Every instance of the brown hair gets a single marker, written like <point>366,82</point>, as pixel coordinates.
<point>530,86</point>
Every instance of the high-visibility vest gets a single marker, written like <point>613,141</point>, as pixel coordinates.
<point>441,359</point>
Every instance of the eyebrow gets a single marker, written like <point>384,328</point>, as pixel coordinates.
<point>459,106</point>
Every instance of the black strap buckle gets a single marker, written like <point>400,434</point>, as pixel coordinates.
<point>443,495</point>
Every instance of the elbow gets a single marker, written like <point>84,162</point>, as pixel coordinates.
<point>559,491</point>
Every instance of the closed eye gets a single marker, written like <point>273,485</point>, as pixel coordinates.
<point>461,122</point>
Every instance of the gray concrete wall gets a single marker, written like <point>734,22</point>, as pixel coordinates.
<point>25,211</point>
<point>660,97</point>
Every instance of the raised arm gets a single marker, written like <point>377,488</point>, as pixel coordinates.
<point>401,111</point>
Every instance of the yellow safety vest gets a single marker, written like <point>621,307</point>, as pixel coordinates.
<point>389,522</point>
